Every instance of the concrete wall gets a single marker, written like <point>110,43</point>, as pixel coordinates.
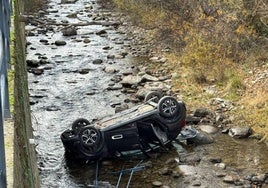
<point>25,162</point>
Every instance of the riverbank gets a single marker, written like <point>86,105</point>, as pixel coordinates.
<point>205,61</point>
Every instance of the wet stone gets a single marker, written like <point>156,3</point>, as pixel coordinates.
<point>259,178</point>
<point>110,56</point>
<point>190,158</point>
<point>37,71</point>
<point>68,1</point>
<point>110,69</point>
<point>240,132</point>
<point>91,93</point>
<point>86,40</point>
<point>191,120</point>
<point>32,63</point>
<point>158,59</point>
<point>215,160</point>
<point>165,171</point>
<point>229,179</point>
<point>187,170</point>
<point>157,183</point>
<point>201,112</point>
<point>220,174</point>
<point>115,87</point>
<point>72,15</point>
<point>201,138</point>
<point>131,80</point>
<point>208,129</point>
<point>176,174</point>
<point>149,78</point>
<point>101,32</point>
<point>84,71</point>
<point>196,183</point>
<point>60,43</point>
<point>52,108</point>
<point>121,108</point>
<point>97,61</point>
<point>43,41</point>
<point>221,165</point>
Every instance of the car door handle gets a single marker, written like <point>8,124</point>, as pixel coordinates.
<point>117,137</point>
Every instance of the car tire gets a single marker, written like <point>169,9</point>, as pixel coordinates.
<point>90,136</point>
<point>153,94</point>
<point>91,141</point>
<point>168,107</point>
<point>79,123</point>
<point>67,134</point>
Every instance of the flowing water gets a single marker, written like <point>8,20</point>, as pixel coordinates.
<point>61,94</point>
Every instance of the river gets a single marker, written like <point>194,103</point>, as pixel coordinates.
<point>71,86</point>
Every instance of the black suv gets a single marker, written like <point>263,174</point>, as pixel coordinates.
<point>153,124</point>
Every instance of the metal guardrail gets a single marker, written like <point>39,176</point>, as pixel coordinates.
<point>5,12</point>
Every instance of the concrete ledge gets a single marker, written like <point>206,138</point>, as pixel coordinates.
<point>9,141</point>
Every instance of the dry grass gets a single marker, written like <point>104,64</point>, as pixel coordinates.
<point>214,43</point>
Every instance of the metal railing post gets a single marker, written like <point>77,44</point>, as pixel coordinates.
<point>4,97</point>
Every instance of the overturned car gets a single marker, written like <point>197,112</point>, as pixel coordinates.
<point>153,124</point>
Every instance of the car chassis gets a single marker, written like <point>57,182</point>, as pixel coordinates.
<point>153,124</point>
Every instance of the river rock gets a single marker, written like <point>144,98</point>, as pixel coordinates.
<point>187,170</point>
<point>240,132</point>
<point>101,32</point>
<point>44,41</point>
<point>86,40</point>
<point>60,43</point>
<point>190,158</point>
<point>131,80</point>
<point>110,69</point>
<point>32,63</point>
<point>69,31</point>
<point>201,112</point>
<point>37,71</point>
<point>215,160</point>
<point>165,171</point>
<point>121,108</point>
<point>196,183</point>
<point>68,1</point>
<point>84,71</point>
<point>208,129</point>
<point>115,87</point>
<point>191,120</point>
<point>52,108</point>
<point>107,48</point>
<point>149,78</point>
<point>157,184</point>
<point>229,179</point>
<point>220,165</point>
<point>157,86</point>
<point>158,59</point>
<point>201,138</point>
<point>97,61</point>
<point>259,178</point>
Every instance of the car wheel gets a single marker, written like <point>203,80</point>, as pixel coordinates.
<point>67,134</point>
<point>154,95</point>
<point>90,136</point>
<point>168,107</point>
<point>80,123</point>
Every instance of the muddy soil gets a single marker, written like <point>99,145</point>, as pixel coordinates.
<point>75,74</point>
